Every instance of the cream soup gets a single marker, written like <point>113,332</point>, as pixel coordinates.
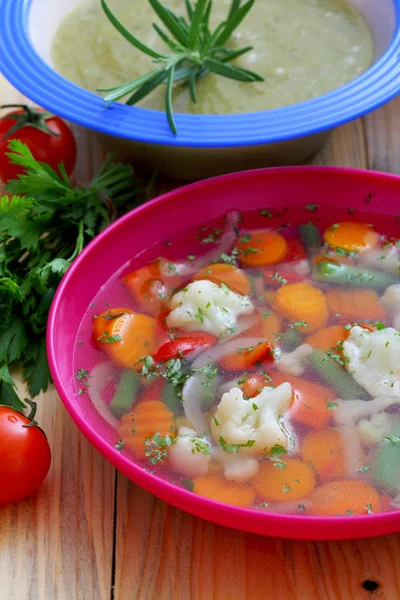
<point>303,49</point>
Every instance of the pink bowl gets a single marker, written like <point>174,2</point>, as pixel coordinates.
<point>164,217</point>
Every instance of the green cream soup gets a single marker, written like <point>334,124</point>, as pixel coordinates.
<point>303,48</point>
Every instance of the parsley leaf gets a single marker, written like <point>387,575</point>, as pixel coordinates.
<point>44,224</point>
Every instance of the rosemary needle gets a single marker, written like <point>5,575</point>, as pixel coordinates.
<point>196,51</point>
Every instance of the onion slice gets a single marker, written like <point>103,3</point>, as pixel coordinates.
<point>193,394</point>
<point>99,378</point>
<point>225,349</point>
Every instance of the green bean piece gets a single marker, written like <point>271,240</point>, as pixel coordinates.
<point>335,273</point>
<point>386,471</point>
<point>290,340</point>
<point>171,399</point>
<point>311,237</point>
<point>126,393</point>
<point>335,376</point>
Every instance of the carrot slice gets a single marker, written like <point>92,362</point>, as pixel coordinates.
<point>293,482</point>
<point>310,401</point>
<point>344,498</point>
<point>233,277</point>
<point>302,302</point>
<point>148,418</point>
<point>355,305</point>
<point>125,336</point>
<point>150,288</point>
<point>328,337</point>
<point>262,248</point>
<point>351,236</point>
<point>323,451</point>
<point>220,490</point>
<point>269,324</point>
<point>245,358</point>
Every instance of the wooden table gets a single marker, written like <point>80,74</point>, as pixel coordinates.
<point>89,533</point>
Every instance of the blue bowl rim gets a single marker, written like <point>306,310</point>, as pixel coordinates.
<point>27,71</point>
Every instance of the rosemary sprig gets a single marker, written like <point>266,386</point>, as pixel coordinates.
<point>196,51</point>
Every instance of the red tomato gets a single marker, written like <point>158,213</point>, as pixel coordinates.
<point>34,127</point>
<point>295,250</point>
<point>184,345</point>
<point>24,456</point>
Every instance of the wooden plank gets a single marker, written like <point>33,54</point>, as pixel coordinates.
<point>58,545</point>
<point>383,137</point>
<point>345,148</point>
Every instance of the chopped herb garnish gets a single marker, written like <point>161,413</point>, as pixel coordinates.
<point>364,469</point>
<point>277,450</point>
<point>106,338</point>
<point>111,317</point>
<point>120,446</point>
<point>287,489</point>
<point>255,407</point>
<point>266,313</point>
<point>349,513</point>
<point>245,238</point>
<point>225,288</point>
<point>369,509</point>
<point>200,445</point>
<point>199,315</point>
<point>278,278</point>
<point>299,324</point>
<point>82,375</point>
<point>191,257</point>
<point>216,421</point>
<point>171,268</point>
<point>266,213</point>
<point>393,439</point>
<point>301,507</point>
<point>155,448</point>
<point>311,207</point>
<point>234,448</point>
<point>331,405</point>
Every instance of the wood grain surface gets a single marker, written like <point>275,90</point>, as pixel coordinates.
<point>89,533</point>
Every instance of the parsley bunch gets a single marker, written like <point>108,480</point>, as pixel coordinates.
<point>43,227</point>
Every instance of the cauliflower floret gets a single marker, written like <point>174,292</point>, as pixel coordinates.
<point>373,360</point>
<point>302,268</point>
<point>254,425</point>
<point>294,363</point>
<point>190,454</point>
<point>391,302</point>
<point>206,306</point>
<point>236,467</point>
<point>372,431</point>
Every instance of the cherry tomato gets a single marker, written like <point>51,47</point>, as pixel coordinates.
<point>183,346</point>
<point>24,456</point>
<point>48,138</point>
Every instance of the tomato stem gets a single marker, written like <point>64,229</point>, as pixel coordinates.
<point>29,117</point>
<point>33,410</point>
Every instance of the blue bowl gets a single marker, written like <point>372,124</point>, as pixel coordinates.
<point>206,145</point>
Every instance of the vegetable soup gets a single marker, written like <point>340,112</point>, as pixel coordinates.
<point>255,362</point>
